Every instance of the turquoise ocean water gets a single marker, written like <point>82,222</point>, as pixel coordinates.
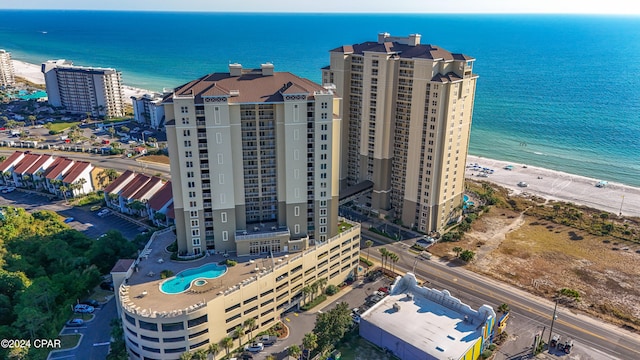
<point>567,86</point>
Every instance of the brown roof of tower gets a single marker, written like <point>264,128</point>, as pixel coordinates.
<point>423,51</point>
<point>249,87</point>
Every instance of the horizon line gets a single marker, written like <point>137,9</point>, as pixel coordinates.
<point>381,12</point>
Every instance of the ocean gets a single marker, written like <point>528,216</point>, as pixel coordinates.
<point>555,91</point>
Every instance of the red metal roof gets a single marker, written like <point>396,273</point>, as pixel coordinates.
<point>142,193</point>
<point>38,164</point>
<point>27,161</point>
<point>10,160</point>
<point>134,186</point>
<point>171,213</point>
<point>120,180</point>
<point>57,170</point>
<point>162,197</point>
<point>75,172</point>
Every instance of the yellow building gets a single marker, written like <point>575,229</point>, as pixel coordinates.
<point>407,117</point>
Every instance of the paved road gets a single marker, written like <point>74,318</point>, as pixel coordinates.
<point>476,290</point>
<point>108,162</point>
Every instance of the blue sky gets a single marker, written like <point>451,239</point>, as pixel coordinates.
<point>386,6</point>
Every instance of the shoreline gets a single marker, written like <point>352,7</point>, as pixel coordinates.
<point>550,184</point>
<point>616,198</point>
<point>31,72</point>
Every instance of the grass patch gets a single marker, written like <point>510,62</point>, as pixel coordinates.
<point>160,159</point>
<point>61,126</point>
<point>69,341</point>
<point>310,305</point>
<point>364,260</point>
<point>90,199</point>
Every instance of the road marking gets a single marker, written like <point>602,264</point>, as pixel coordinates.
<point>101,344</point>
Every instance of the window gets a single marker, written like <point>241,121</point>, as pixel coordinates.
<point>296,211</point>
<point>190,174</point>
<point>184,109</point>
<point>193,204</point>
<point>225,236</point>
<point>189,164</point>
<point>148,326</point>
<point>323,105</point>
<point>193,214</point>
<point>191,184</point>
<point>195,223</point>
<point>173,339</point>
<point>192,194</point>
<point>297,229</point>
<point>173,326</point>
<point>219,138</point>
<point>187,143</point>
<point>220,159</point>
<point>197,321</point>
<point>185,121</point>
<point>223,217</point>
<point>196,241</point>
<point>186,132</point>
<point>188,154</point>
<point>196,232</point>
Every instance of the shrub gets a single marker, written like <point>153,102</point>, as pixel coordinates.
<point>467,255</point>
<point>570,293</point>
<point>230,263</point>
<point>317,300</point>
<point>331,290</point>
<point>368,262</point>
<point>486,354</point>
<point>166,274</point>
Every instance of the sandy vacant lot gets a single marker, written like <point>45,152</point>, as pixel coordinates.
<point>543,257</point>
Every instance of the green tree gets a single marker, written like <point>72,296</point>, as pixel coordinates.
<point>394,259</point>
<point>63,189</point>
<point>310,343</point>
<point>200,355</point>
<point>367,245</point>
<point>383,255</point>
<point>227,343</point>
<point>239,333</point>
<point>314,289</point>
<point>107,250</point>
<point>187,355</point>
<point>306,291</point>
<point>604,216</point>
<point>118,347</point>
<point>112,131</point>
<point>250,324</point>
<point>331,326</point>
<point>467,255</point>
<point>213,350</point>
<point>323,283</point>
<point>294,351</point>
<point>503,308</point>
<point>457,250</point>
<point>125,129</point>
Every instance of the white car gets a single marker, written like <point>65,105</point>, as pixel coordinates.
<point>85,309</point>
<point>103,212</point>
<point>523,184</point>
<point>255,347</point>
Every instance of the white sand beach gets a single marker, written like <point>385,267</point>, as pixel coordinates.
<point>556,185</point>
<point>32,73</point>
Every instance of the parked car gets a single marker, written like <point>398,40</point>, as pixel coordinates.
<point>355,318</point>
<point>568,345</point>
<point>523,184</point>
<point>268,339</point>
<point>90,302</point>
<point>8,190</point>
<point>106,285</point>
<point>103,212</point>
<point>84,309</point>
<point>68,220</point>
<point>95,208</point>
<point>254,347</point>
<point>75,323</point>
<point>554,340</point>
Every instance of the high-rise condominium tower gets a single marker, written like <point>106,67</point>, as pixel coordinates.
<point>407,117</point>
<point>7,75</point>
<point>84,89</point>
<point>254,162</point>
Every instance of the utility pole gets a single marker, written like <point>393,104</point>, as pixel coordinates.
<point>553,319</point>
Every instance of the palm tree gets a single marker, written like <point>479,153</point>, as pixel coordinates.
<point>80,183</point>
<point>294,351</point>
<point>107,174</point>
<point>309,342</point>
<point>503,308</point>
<point>6,175</point>
<point>32,118</point>
<point>367,245</point>
<point>323,283</point>
<point>112,131</point>
<point>186,356</point>
<point>457,250</point>
<point>63,189</point>
<point>239,332</point>
<point>213,349</point>
<point>314,289</point>
<point>305,293</point>
<point>394,259</point>
<point>250,324</point>
<point>200,355</point>
<point>383,253</point>
<point>227,343</point>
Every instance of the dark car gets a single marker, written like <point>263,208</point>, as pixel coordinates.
<point>106,285</point>
<point>91,302</point>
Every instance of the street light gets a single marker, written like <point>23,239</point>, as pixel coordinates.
<point>553,319</point>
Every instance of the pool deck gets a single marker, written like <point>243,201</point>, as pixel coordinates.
<point>144,285</point>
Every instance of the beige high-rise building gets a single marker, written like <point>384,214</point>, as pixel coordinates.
<point>254,162</point>
<point>82,89</point>
<point>7,72</point>
<point>407,118</point>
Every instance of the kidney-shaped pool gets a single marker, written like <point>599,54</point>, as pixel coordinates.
<point>192,277</point>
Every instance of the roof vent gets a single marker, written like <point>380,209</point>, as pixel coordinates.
<point>409,296</point>
<point>396,306</point>
<point>235,69</point>
<point>267,69</point>
<point>234,92</point>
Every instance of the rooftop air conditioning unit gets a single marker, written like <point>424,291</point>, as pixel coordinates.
<point>396,306</point>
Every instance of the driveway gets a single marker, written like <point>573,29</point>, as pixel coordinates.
<point>96,335</point>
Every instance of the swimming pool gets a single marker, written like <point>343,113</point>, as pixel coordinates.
<point>185,279</point>
<point>465,198</point>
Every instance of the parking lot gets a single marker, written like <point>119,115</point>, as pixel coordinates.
<point>84,220</point>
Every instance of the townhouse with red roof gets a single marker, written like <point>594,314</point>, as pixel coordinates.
<point>159,204</point>
<point>7,166</point>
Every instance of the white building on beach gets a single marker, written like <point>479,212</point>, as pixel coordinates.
<point>7,72</point>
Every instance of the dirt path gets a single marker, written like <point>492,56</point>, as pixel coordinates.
<point>489,238</point>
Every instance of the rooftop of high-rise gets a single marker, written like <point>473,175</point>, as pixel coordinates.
<point>240,85</point>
